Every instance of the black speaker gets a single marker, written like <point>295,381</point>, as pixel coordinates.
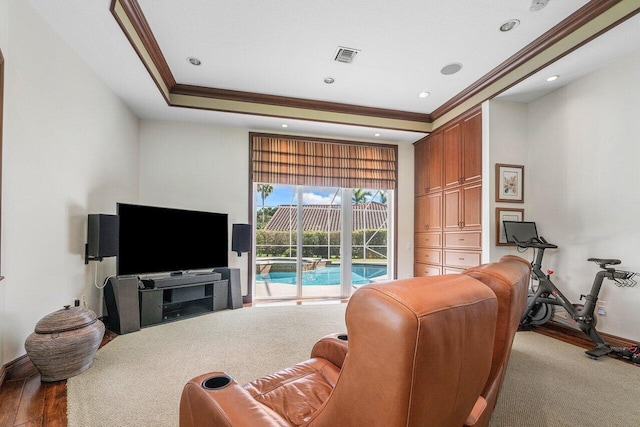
<point>234,293</point>
<point>241,238</point>
<point>102,236</point>
<point>121,299</point>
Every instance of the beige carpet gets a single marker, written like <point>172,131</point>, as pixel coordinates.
<point>137,379</point>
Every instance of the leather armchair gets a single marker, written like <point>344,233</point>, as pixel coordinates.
<point>419,354</point>
<point>509,280</point>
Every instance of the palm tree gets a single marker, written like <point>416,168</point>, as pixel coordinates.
<point>360,196</point>
<point>264,190</point>
<point>383,197</point>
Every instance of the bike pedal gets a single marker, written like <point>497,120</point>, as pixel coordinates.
<point>597,352</point>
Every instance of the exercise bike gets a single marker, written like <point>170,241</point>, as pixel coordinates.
<point>540,300</point>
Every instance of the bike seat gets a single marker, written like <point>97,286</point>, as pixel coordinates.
<point>603,262</point>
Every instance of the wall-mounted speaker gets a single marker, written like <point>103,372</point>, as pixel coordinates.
<point>102,237</point>
<point>241,238</point>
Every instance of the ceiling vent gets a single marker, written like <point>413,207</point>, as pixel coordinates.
<point>346,55</point>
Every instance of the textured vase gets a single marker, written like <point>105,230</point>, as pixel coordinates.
<point>64,343</point>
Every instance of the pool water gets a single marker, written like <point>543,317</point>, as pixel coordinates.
<point>328,275</point>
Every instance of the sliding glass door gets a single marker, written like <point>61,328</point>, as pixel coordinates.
<point>319,242</point>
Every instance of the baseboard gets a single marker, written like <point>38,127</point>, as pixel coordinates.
<point>579,337</point>
<point>22,367</point>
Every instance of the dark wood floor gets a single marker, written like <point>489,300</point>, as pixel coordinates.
<point>25,401</point>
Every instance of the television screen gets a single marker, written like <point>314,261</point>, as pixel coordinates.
<point>155,240</point>
<point>523,230</point>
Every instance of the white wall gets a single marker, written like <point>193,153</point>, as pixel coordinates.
<point>70,148</point>
<point>508,145</point>
<point>4,37</point>
<point>581,177</point>
<point>197,167</point>
<point>207,168</point>
<point>405,202</point>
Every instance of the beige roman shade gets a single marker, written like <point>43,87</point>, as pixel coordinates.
<point>294,161</point>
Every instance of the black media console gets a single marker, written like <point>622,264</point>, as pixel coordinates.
<point>131,306</point>
<point>174,298</point>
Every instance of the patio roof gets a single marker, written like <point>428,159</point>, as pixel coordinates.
<point>370,215</point>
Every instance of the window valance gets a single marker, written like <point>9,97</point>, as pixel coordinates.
<point>294,161</point>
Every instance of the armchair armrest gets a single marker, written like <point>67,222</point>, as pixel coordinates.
<point>226,404</point>
<point>332,347</point>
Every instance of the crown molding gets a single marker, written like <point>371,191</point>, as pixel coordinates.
<point>587,23</point>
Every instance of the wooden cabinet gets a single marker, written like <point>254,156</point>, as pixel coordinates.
<point>428,256</point>
<point>428,165</point>
<point>428,240</point>
<point>472,148</point>
<point>462,208</point>
<point>461,259</point>
<point>452,157</point>
<point>434,163</point>
<point>428,213</point>
<point>463,152</point>
<point>421,168</point>
<point>448,191</point>
<point>421,270</point>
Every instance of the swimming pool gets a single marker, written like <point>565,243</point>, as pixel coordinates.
<point>328,275</point>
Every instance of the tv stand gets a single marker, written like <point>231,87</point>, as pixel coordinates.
<point>130,305</point>
<point>190,296</point>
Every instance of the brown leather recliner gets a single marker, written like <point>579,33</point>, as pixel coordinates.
<point>419,354</point>
<point>509,280</point>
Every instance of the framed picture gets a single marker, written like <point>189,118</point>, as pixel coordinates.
<point>506,214</point>
<point>509,183</point>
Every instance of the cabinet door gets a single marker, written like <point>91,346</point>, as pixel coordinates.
<point>421,166</point>
<point>422,270</point>
<point>472,148</point>
<point>428,212</point>
<point>471,207</point>
<point>452,156</point>
<point>435,155</point>
<point>427,240</point>
<point>435,211</point>
<point>452,210</point>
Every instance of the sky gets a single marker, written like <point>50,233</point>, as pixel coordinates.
<point>286,194</point>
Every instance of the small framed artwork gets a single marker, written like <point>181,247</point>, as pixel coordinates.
<point>509,183</point>
<point>506,214</point>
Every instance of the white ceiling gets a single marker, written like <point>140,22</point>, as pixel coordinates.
<point>287,49</point>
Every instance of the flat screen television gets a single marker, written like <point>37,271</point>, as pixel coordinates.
<point>522,230</point>
<point>158,240</point>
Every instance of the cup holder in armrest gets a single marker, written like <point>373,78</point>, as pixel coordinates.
<point>217,382</point>
<point>343,337</point>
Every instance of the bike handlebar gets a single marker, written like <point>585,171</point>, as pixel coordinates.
<point>538,243</point>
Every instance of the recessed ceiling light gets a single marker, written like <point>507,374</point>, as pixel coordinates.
<point>423,94</point>
<point>329,80</point>
<point>377,134</point>
<point>453,68</point>
<point>194,61</point>
<point>285,125</point>
<point>552,78</point>
<point>509,25</point>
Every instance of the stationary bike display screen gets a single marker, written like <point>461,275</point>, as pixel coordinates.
<point>523,230</point>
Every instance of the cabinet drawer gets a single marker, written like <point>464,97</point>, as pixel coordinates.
<point>428,256</point>
<point>463,240</point>
<point>422,270</point>
<point>450,270</point>
<point>428,240</point>
<point>461,258</point>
